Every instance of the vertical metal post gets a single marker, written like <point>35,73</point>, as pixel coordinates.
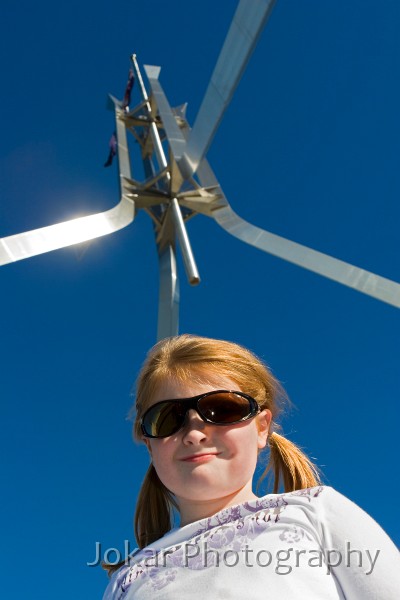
<point>179,225</point>
<point>168,294</point>
<point>168,304</point>
<point>123,151</point>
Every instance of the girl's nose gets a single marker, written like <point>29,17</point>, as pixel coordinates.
<point>194,429</point>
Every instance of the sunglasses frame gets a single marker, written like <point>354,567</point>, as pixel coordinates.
<point>193,403</point>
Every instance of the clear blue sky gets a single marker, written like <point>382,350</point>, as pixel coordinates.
<point>308,149</point>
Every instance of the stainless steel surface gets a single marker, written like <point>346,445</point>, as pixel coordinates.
<point>210,201</point>
<point>153,127</point>
<point>187,254</point>
<point>177,145</point>
<point>359,279</point>
<point>248,22</point>
<point>168,303</point>
<point>124,165</point>
<point>333,268</point>
<point>37,241</point>
<point>174,135</point>
<point>175,138</point>
<point>75,231</point>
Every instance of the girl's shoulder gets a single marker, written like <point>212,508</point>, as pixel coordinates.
<point>312,497</point>
<point>269,508</point>
<point>307,494</point>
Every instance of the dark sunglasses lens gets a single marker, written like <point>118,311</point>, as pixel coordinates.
<point>164,419</point>
<point>225,407</point>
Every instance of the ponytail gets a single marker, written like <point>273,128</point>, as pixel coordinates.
<point>288,462</point>
<point>153,516</point>
<point>154,510</point>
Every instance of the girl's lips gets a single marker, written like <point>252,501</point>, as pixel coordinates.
<point>205,456</point>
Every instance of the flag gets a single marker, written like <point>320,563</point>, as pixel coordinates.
<point>129,85</point>
<point>113,150</point>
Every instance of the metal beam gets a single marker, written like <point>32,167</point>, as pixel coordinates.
<point>247,25</point>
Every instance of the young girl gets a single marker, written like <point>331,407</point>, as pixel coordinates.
<point>205,410</point>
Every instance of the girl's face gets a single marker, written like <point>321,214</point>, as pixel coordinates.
<point>203,465</point>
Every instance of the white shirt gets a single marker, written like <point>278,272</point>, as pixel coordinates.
<point>313,544</point>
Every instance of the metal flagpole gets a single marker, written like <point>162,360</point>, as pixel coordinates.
<point>174,226</point>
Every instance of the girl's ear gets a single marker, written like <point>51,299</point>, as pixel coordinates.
<point>263,424</point>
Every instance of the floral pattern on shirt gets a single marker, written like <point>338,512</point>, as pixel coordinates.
<point>230,529</point>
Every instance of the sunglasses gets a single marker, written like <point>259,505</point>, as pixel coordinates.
<point>220,407</point>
